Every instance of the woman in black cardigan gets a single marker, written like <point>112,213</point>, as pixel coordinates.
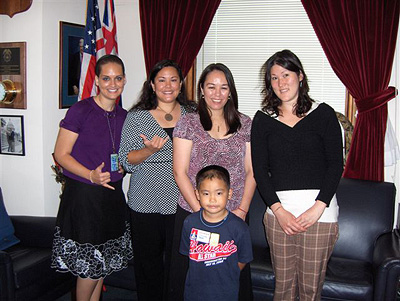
<point>297,162</point>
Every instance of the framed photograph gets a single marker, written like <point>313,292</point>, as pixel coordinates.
<point>71,51</point>
<point>12,135</point>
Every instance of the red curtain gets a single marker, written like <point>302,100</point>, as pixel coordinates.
<point>175,29</point>
<point>359,40</point>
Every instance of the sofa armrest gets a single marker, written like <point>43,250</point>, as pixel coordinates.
<point>7,291</point>
<point>386,265</point>
<point>34,231</point>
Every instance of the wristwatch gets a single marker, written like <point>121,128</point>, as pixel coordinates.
<point>8,92</point>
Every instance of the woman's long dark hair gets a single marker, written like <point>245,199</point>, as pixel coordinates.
<point>271,102</point>
<point>231,113</point>
<point>148,99</point>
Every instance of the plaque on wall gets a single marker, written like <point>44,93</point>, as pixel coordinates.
<point>13,75</point>
<point>12,7</point>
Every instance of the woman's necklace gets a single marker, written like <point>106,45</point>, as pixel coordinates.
<point>108,115</point>
<point>168,116</point>
<point>219,125</point>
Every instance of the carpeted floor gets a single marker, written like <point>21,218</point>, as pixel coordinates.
<point>111,294</point>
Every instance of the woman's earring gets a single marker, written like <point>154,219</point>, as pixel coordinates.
<point>301,84</point>
<point>202,97</point>
<point>229,97</point>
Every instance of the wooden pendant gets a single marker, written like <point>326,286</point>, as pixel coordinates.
<point>12,7</point>
<point>168,117</point>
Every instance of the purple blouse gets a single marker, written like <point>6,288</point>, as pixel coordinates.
<point>97,130</point>
<point>206,150</point>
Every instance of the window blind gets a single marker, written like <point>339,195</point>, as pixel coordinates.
<point>245,33</point>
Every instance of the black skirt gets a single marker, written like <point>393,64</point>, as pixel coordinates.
<point>92,237</point>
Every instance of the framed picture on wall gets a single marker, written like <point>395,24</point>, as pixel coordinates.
<point>71,50</point>
<point>12,135</point>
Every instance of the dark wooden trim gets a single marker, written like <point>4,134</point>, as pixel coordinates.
<point>190,83</point>
<point>351,108</point>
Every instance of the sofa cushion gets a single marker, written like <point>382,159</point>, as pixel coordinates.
<point>34,278</point>
<point>348,279</point>
<point>7,237</point>
<point>34,231</point>
<point>365,211</point>
<point>29,275</point>
<point>31,265</point>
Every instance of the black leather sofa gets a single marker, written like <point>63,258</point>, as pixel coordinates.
<point>25,272</point>
<point>365,264</point>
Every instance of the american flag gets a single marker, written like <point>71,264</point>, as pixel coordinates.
<point>93,48</point>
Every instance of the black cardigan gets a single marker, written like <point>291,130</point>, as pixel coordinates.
<point>306,156</point>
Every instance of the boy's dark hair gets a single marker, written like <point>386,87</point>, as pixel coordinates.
<point>213,171</point>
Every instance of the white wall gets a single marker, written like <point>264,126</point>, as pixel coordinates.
<point>27,181</point>
<point>392,173</point>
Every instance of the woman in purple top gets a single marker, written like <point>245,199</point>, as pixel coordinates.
<point>217,135</point>
<point>92,235</point>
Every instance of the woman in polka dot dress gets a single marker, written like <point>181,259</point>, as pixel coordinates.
<point>146,153</point>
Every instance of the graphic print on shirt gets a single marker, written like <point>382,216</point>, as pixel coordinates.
<point>205,247</point>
